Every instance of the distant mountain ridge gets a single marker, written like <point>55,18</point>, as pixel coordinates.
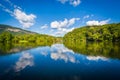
<point>14,30</point>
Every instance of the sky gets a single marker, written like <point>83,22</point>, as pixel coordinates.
<point>57,17</point>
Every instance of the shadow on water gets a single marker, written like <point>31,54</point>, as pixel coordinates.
<point>106,49</point>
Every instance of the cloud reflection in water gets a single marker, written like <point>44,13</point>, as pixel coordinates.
<point>96,58</point>
<point>25,60</point>
<point>59,52</point>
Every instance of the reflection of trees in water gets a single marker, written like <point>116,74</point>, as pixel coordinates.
<point>8,48</point>
<point>106,49</point>
<point>5,48</point>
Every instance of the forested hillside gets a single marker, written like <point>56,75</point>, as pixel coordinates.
<point>10,34</point>
<point>108,32</point>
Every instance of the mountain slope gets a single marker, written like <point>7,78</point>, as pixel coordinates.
<point>14,30</point>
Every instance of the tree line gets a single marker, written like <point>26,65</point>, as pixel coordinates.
<point>7,37</point>
<point>108,32</point>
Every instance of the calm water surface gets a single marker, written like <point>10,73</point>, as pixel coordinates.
<point>57,62</point>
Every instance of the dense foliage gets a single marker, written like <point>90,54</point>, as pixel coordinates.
<point>108,32</point>
<point>103,49</point>
<point>9,34</point>
<point>7,37</point>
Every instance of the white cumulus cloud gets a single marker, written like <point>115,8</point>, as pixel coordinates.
<point>59,24</point>
<point>45,26</point>
<point>94,22</point>
<point>71,2</point>
<point>72,21</point>
<point>63,1</point>
<point>86,16</point>
<point>63,31</point>
<point>25,19</point>
<point>63,27</point>
<point>63,24</point>
<point>75,2</point>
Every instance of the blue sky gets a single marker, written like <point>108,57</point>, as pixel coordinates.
<point>57,17</point>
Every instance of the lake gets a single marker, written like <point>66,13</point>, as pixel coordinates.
<point>61,62</point>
